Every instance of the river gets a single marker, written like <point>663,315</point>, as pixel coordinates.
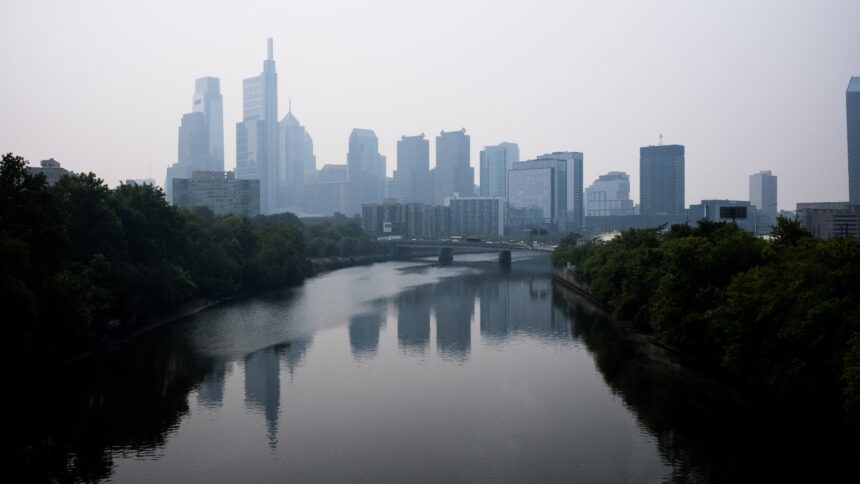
<point>394,372</point>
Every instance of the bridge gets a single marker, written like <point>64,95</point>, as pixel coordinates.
<point>406,249</point>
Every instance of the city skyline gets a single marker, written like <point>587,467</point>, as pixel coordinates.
<point>735,90</point>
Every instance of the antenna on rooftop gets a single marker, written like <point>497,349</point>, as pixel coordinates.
<point>661,140</point>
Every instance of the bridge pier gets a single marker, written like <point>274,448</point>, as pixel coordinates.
<point>505,258</point>
<point>446,256</point>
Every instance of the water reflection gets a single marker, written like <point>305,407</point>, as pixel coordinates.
<point>524,393</point>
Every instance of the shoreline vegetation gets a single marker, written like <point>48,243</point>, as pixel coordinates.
<point>83,264</point>
<point>777,320</point>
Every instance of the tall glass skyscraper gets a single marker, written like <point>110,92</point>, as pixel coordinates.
<point>495,163</point>
<point>207,100</point>
<point>296,164</point>
<point>200,144</point>
<point>257,133</point>
<point>453,172</point>
<point>852,111</point>
<point>575,205</point>
<point>661,180</point>
<point>537,193</point>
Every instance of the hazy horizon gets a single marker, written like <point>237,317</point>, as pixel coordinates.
<point>745,86</point>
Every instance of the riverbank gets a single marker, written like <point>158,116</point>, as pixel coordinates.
<point>326,264</point>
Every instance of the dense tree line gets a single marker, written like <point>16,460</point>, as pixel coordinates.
<point>778,318</point>
<point>79,259</point>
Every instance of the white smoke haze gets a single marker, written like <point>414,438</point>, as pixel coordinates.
<point>746,86</point>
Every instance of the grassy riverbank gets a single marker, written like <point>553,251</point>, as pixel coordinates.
<point>780,319</point>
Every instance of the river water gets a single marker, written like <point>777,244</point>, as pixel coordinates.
<point>395,372</point>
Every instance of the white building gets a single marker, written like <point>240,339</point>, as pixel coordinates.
<point>763,192</point>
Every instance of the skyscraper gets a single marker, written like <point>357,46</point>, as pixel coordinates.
<point>207,100</point>
<point>200,144</point>
<point>453,172</point>
<point>537,193</point>
<point>366,167</point>
<point>852,111</point>
<point>495,163</point>
<point>257,133</point>
<point>763,192</point>
<point>412,176</point>
<point>296,164</point>
<point>575,205</point>
<point>661,180</point>
<point>609,195</point>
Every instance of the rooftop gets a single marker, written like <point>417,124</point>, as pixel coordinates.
<point>854,84</point>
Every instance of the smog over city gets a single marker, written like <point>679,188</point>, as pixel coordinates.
<point>402,241</point>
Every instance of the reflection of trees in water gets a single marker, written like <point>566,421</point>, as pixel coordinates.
<point>691,417</point>
<point>128,403</point>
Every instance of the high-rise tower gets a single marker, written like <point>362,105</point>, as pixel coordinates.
<point>763,192</point>
<point>257,133</point>
<point>661,180</point>
<point>453,172</point>
<point>207,100</point>
<point>574,183</point>
<point>366,168</point>
<point>495,163</point>
<point>852,111</point>
<point>412,176</point>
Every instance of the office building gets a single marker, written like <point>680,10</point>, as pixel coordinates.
<point>609,195</point>
<point>711,210</point>
<point>257,133</point>
<point>661,180</point>
<point>296,165</point>
<point>207,100</point>
<point>852,112</point>
<point>412,177</point>
<point>763,192</point>
<point>51,169</point>
<point>200,145</point>
<point>496,161</point>
<point>219,191</point>
<point>827,220</point>
<point>333,173</point>
<point>537,194</point>
<point>328,198</point>
<point>575,205</point>
<point>478,216</point>
<point>366,167</point>
<point>453,173</point>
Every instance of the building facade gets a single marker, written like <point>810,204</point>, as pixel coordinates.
<point>51,169</point>
<point>478,216</point>
<point>496,161</point>
<point>453,173</point>
<point>852,115</point>
<point>200,141</point>
<point>763,192</point>
<point>661,180</point>
<point>827,220</point>
<point>537,193</point>
<point>575,199</point>
<point>257,133</point>
<point>609,196</point>
<point>296,166</point>
<point>219,191</point>
<point>710,210</point>
<point>412,177</point>
<point>366,167</point>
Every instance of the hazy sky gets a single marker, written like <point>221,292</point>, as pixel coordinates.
<point>745,85</point>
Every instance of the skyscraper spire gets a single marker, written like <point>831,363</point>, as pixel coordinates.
<point>271,49</point>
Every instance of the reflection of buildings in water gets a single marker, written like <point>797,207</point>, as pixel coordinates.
<point>210,392</point>
<point>520,305</point>
<point>263,388</point>
<point>413,320</point>
<point>454,306</point>
<point>293,354</point>
<point>364,334</point>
